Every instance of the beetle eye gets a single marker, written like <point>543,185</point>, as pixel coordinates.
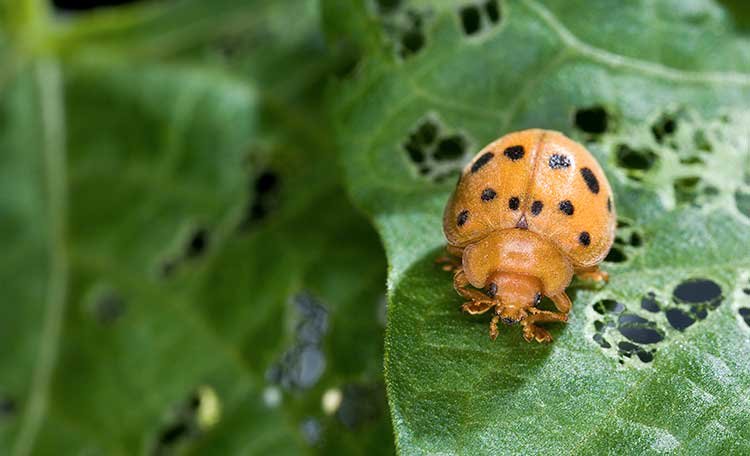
<point>492,290</point>
<point>537,299</point>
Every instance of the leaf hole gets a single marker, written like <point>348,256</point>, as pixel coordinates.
<point>109,307</point>
<point>697,291</point>
<point>638,329</point>
<point>650,303</point>
<point>628,349</point>
<point>8,407</point>
<point>635,159</point>
<point>471,20</point>
<point>387,6</point>
<point>665,126</point>
<point>686,189</point>
<point>742,201</point>
<point>608,306</point>
<point>83,5</point>
<point>635,239</point>
<point>616,255</point>
<point>492,9</point>
<point>451,148</point>
<point>361,404</point>
<point>197,244</point>
<point>189,419</point>
<point>412,42</point>
<point>592,120</point>
<point>692,160</point>
<point>679,319</point>
<point>265,189</point>
<point>702,142</point>
<point>599,339</point>
<point>435,154</point>
<point>745,314</point>
<point>695,297</point>
<point>311,430</point>
<point>302,365</point>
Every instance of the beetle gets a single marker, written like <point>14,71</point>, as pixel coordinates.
<point>530,210</point>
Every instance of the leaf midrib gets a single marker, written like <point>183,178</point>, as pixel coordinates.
<point>49,82</point>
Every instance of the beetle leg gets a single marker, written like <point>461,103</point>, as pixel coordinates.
<point>533,332</point>
<point>493,327</point>
<point>562,302</point>
<point>593,274</point>
<point>477,307</point>
<point>447,263</point>
<point>451,261</point>
<point>478,299</point>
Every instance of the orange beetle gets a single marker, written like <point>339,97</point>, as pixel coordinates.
<point>529,211</point>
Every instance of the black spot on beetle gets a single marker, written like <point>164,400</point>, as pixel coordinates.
<point>566,207</point>
<point>679,319</point>
<point>514,152</point>
<point>488,194</point>
<point>584,238</point>
<point>591,181</point>
<point>557,161</point>
<point>513,203</point>
<point>591,120</point>
<point>492,290</point>
<point>481,161</point>
<point>536,207</point>
<point>462,217</point>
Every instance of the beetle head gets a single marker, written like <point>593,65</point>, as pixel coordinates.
<point>516,293</point>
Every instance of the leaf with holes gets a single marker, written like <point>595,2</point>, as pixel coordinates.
<point>151,302</point>
<point>655,360</point>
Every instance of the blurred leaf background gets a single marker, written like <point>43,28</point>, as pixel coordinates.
<point>184,272</point>
<point>193,196</point>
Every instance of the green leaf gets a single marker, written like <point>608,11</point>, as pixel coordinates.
<point>659,93</point>
<point>163,219</point>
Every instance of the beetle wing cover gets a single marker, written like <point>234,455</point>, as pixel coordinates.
<point>578,213</point>
<point>493,188</point>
